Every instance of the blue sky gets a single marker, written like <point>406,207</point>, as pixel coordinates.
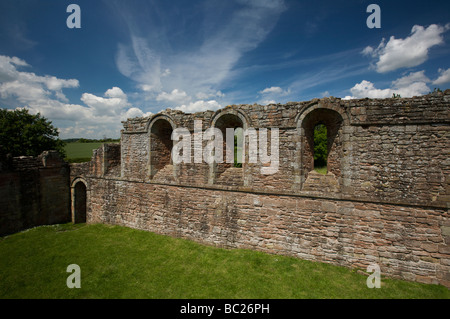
<point>136,57</point>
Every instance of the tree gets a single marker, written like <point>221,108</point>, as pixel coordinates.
<point>237,152</point>
<point>25,134</point>
<point>320,146</point>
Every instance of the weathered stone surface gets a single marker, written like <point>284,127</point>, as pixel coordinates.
<point>385,199</point>
<point>34,191</point>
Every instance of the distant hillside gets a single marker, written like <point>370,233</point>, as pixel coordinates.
<point>87,140</point>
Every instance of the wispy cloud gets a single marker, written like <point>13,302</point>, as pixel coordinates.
<point>14,25</point>
<point>327,74</point>
<point>140,63</point>
<point>199,68</point>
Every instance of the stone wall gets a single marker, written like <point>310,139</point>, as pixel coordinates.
<point>407,242</point>
<point>33,191</point>
<point>385,198</point>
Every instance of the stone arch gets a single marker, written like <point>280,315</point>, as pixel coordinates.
<point>79,194</point>
<point>227,173</point>
<point>246,122</point>
<point>157,117</point>
<point>160,129</point>
<point>335,120</point>
<point>322,104</point>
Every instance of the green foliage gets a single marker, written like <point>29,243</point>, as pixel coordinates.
<point>436,90</point>
<point>25,134</point>
<point>396,96</point>
<point>321,170</point>
<point>236,152</point>
<point>320,146</point>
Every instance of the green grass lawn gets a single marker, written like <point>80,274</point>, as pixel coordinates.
<point>119,262</point>
<point>321,170</point>
<point>80,152</point>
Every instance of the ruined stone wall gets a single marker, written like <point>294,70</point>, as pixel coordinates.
<point>33,191</point>
<point>406,242</point>
<point>385,198</point>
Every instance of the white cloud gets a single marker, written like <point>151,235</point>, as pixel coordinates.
<point>166,72</point>
<point>116,92</point>
<point>411,79</point>
<point>443,78</point>
<point>176,97</point>
<point>199,106</point>
<point>99,116</point>
<point>409,52</point>
<point>413,84</point>
<point>209,94</point>
<point>114,102</point>
<point>369,50</point>
<point>267,102</point>
<point>272,94</point>
<point>28,87</point>
<point>134,112</point>
<point>146,87</point>
<point>273,89</point>
<point>367,89</point>
<point>8,67</point>
<point>56,84</point>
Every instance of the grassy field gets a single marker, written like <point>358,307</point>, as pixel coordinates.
<point>321,170</point>
<point>80,152</point>
<point>118,262</point>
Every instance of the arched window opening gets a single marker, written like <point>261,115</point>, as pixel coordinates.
<point>321,134</point>
<point>229,172</point>
<point>320,148</point>
<point>161,146</point>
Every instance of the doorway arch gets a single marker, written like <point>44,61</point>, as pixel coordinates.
<point>79,201</point>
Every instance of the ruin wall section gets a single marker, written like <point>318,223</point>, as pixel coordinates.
<point>384,200</point>
<point>34,191</point>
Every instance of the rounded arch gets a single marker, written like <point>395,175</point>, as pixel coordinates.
<point>79,179</point>
<point>246,122</point>
<point>229,171</point>
<point>79,194</point>
<point>160,128</point>
<point>299,119</point>
<point>157,117</point>
<point>334,118</point>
